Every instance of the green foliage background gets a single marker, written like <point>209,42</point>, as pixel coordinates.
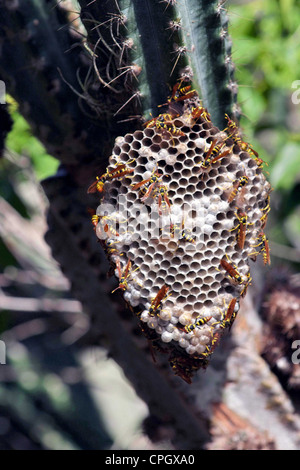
<point>21,141</point>
<point>266,49</point>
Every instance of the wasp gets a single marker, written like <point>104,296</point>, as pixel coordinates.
<point>260,162</point>
<point>164,203</point>
<point>182,233</point>
<point>266,210</point>
<point>199,322</point>
<point>232,129</point>
<point>152,121</point>
<point>180,93</point>
<point>226,322</point>
<point>95,219</point>
<point>213,154</point>
<point>238,186</point>
<point>118,172</point>
<point>247,148</point>
<point>200,112</point>
<point>241,226</point>
<point>185,367</point>
<point>149,184</point>
<point>232,271</point>
<point>124,275</point>
<point>108,225</point>
<point>181,369</point>
<point>213,149</point>
<point>160,118</point>
<point>215,340</point>
<point>156,302</point>
<point>233,132</point>
<point>109,248</point>
<point>164,121</point>
<point>229,317</point>
<point>265,249</point>
<point>187,235</point>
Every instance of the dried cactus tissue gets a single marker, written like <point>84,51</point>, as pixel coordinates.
<point>182,211</point>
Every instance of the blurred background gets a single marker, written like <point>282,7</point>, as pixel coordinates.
<point>55,394</point>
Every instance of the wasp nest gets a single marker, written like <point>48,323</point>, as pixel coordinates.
<point>183,208</point>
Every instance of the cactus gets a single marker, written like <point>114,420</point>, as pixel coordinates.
<point>81,82</point>
<point>164,42</point>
